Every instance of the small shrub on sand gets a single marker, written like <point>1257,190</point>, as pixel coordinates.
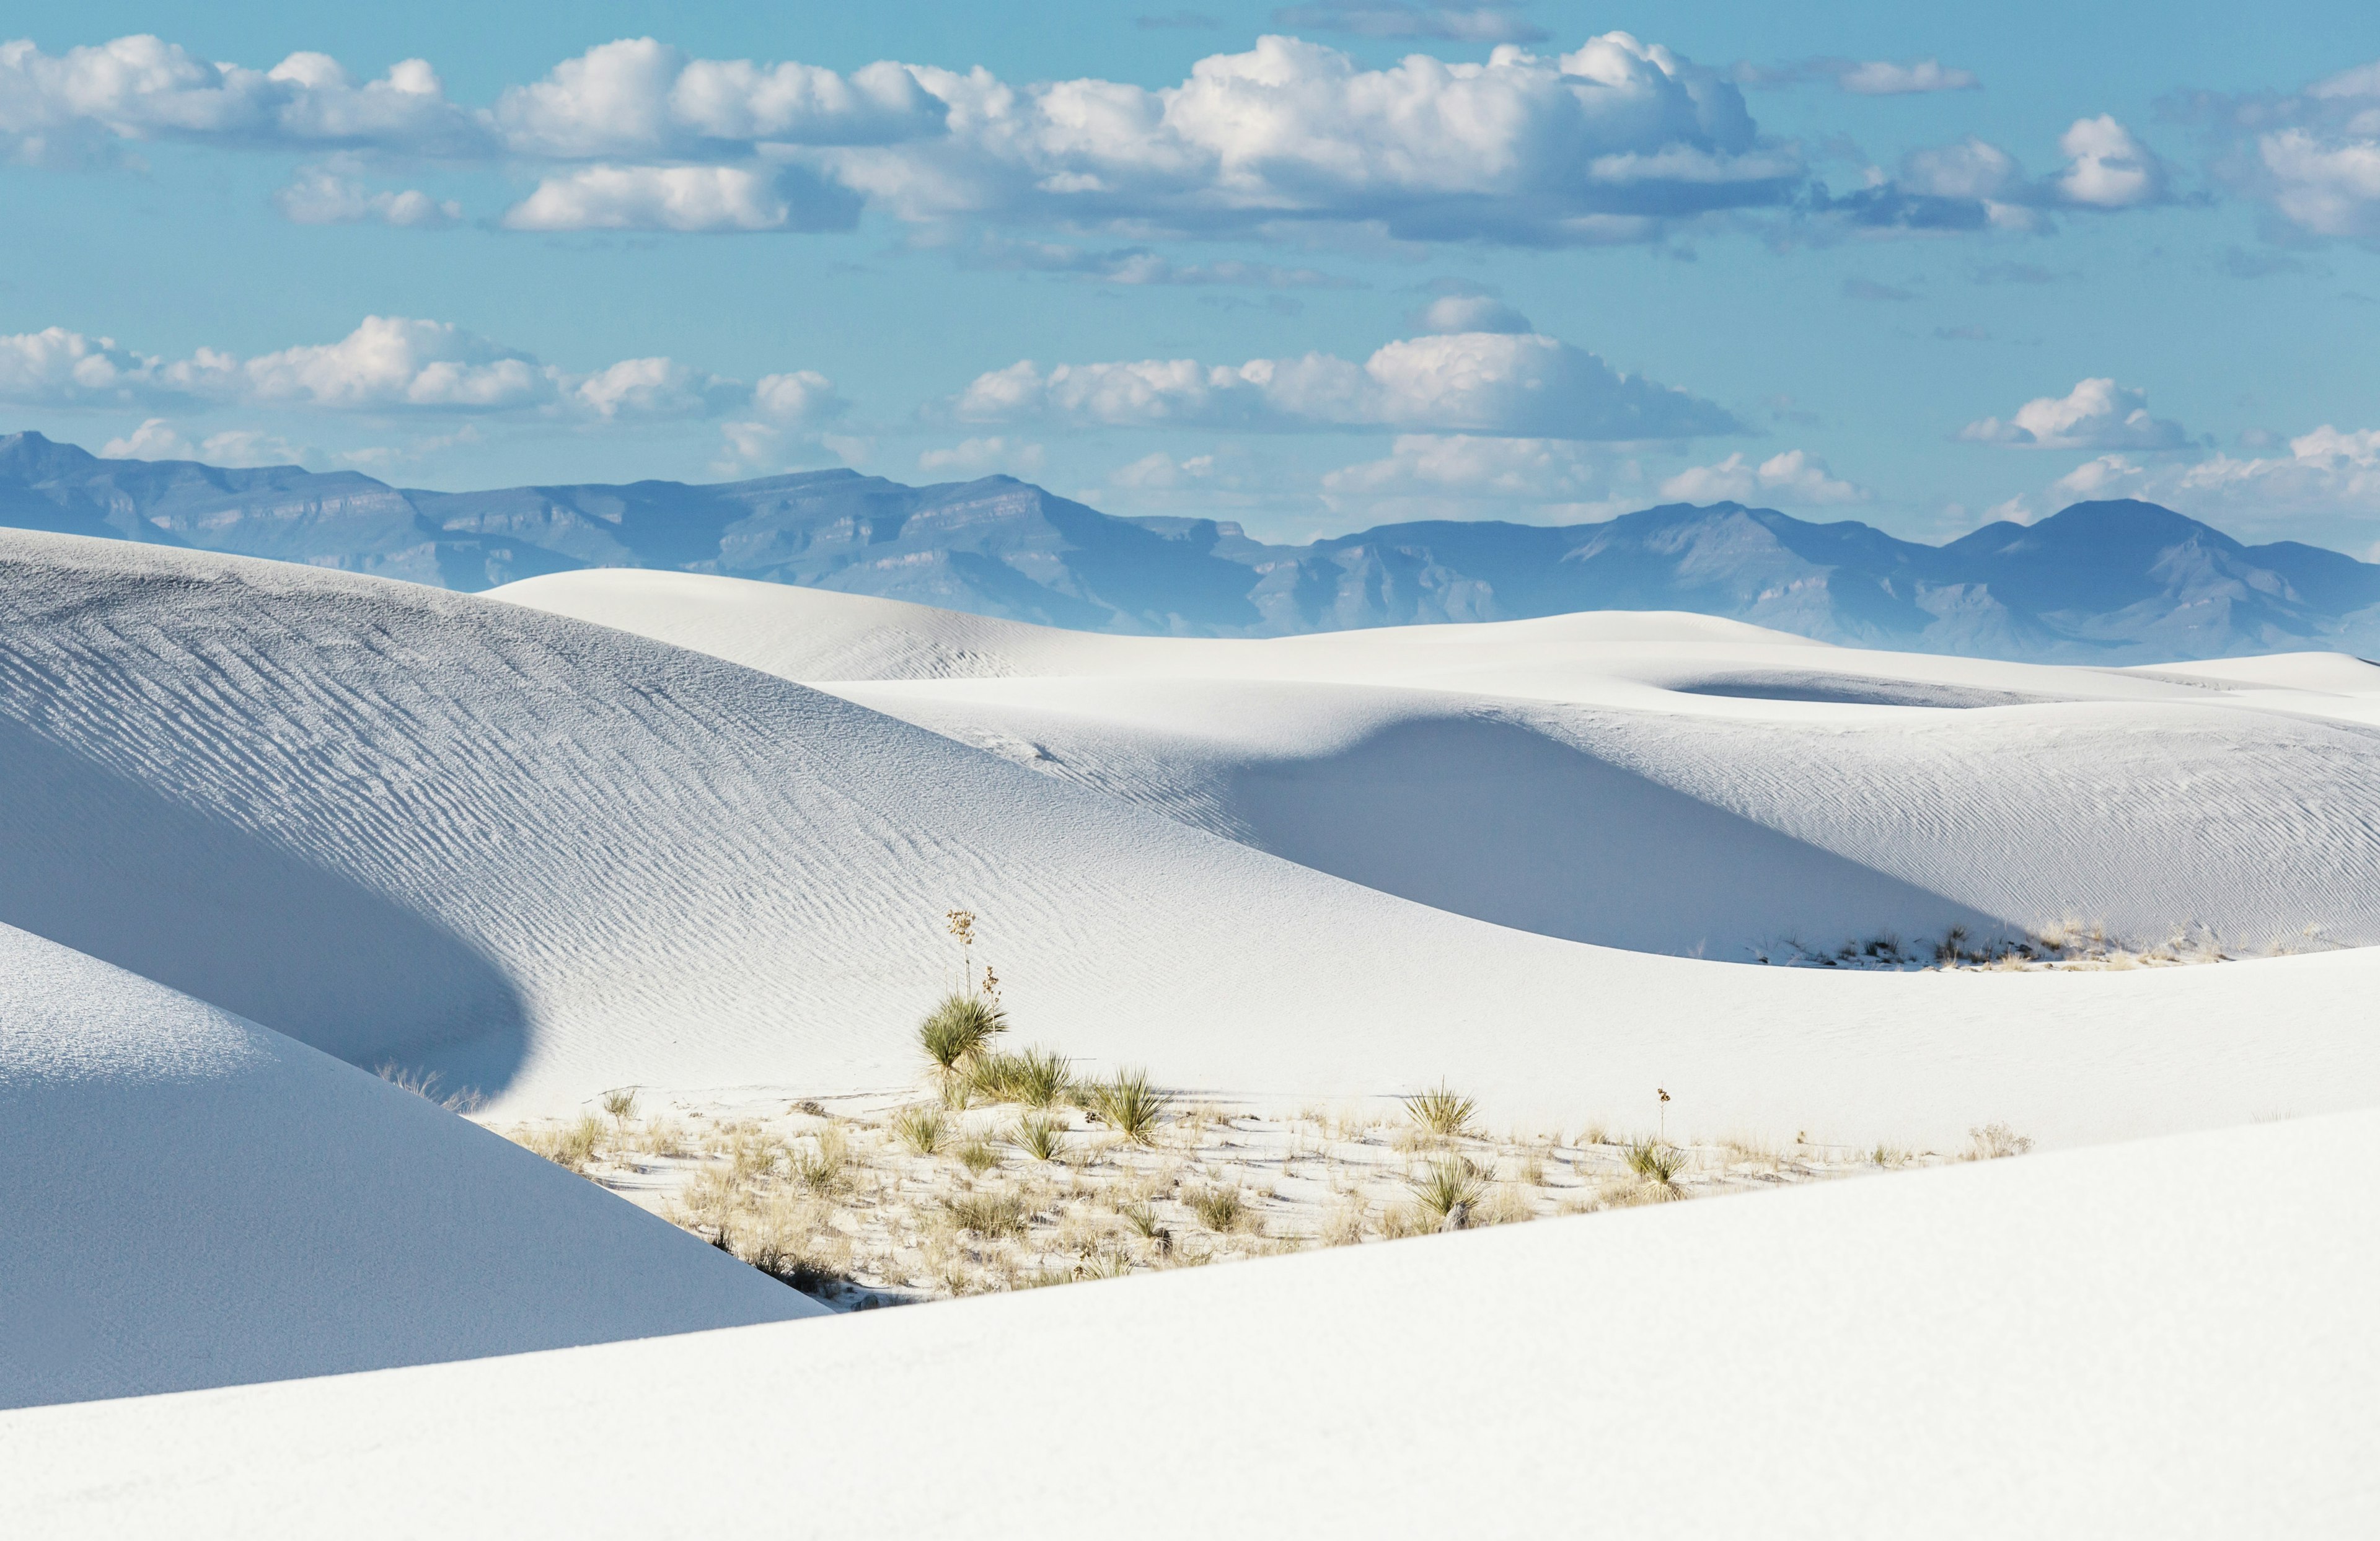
<point>1038,1077</point>
<point>1657,1163</point>
<point>1449,1189</point>
<point>1221,1210</point>
<point>573,1146</point>
<point>1143,1219</point>
<point>978,1156</point>
<point>1344,1227</point>
<point>622,1105</point>
<point>1131,1105</point>
<point>989,1214</point>
<point>819,1167</point>
<point>959,1031</point>
<point>920,1129</point>
<point>1994,1141</point>
<point>1443,1110</point>
<point>1039,1136</point>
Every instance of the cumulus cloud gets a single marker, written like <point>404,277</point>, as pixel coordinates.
<point>1160,472</point>
<point>1974,184</point>
<point>2096,415</point>
<point>391,364</point>
<point>696,197</point>
<point>73,107</point>
<point>641,98</point>
<point>1137,265</point>
<point>1391,18</point>
<point>1502,385</point>
<point>328,195</point>
<point>1471,313</point>
<point>1794,477</point>
<point>970,458</point>
<point>1614,141</point>
<point>158,439</point>
<point>2311,157</point>
<point>2327,471</point>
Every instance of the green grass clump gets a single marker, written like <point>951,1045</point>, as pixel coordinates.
<point>1448,1189</point>
<point>978,1156</point>
<point>820,1169</point>
<point>1130,1105</point>
<point>1656,1162</point>
<point>958,1032</point>
<point>1443,1110</point>
<point>1040,1136</point>
<point>921,1129</point>
<point>1038,1077</point>
<point>990,1214</point>
<point>1221,1210</point>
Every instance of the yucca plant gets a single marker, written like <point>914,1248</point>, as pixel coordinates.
<point>1040,1136</point>
<point>958,1032</point>
<point>1443,1110</point>
<point>1450,1188</point>
<point>1657,1163</point>
<point>1131,1105</point>
<point>921,1129</point>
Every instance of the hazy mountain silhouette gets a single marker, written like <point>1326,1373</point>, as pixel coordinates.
<point>2116,582</point>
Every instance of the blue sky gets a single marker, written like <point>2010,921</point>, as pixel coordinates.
<point>1540,262</point>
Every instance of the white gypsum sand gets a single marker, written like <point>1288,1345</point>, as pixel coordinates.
<point>2162,1339</point>
<point>545,857</point>
<point>201,1202</point>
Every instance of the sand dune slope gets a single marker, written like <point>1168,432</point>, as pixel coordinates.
<point>216,1204</point>
<point>2162,1339</point>
<point>547,858</point>
<point>1668,783</point>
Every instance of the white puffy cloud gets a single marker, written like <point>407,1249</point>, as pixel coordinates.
<point>2096,415</point>
<point>392,364</point>
<point>2311,157</point>
<point>158,439</point>
<point>72,107</point>
<point>58,368</point>
<point>1884,77</point>
<point>1794,477</point>
<point>2107,167</point>
<point>684,198</point>
<point>1471,313</point>
<point>639,97</point>
<point>1613,141</point>
<point>328,195</point>
<point>1974,184</point>
<point>970,458</point>
<point>2327,471</point>
<point>1480,383</point>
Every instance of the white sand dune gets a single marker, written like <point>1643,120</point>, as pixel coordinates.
<point>2165,1340</point>
<point>1668,783</point>
<point>199,1202</point>
<point>549,858</point>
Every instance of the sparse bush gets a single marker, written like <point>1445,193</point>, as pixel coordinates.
<point>1441,1111</point>
<point>1344,1227</point>
<point>661,1137</point>
<point>1038,1077</point>
<point>1657,1163</point>
<point>1449,1189</point>
<point>820,1167</point>
<point>1994,1141</point>
<point>754,1154</point>
<point>990,1214</point>
<point>959,1031</point>
<point>1040,1136</point>
<point>1221,1210</point>
<point>1131,1105</point>
<point>978,1156</point>
<point>622,1105</point>
<point>921,1129</point>
<point>573,1144</point>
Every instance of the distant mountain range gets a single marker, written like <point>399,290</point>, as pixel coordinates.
<point>2111,582</point>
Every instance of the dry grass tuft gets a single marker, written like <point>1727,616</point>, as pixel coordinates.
<point>1994,1141</point>
<point>1221,1210</point>
<point>920,1129</point>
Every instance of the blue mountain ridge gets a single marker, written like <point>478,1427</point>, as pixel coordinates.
<point>2115,582</point>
